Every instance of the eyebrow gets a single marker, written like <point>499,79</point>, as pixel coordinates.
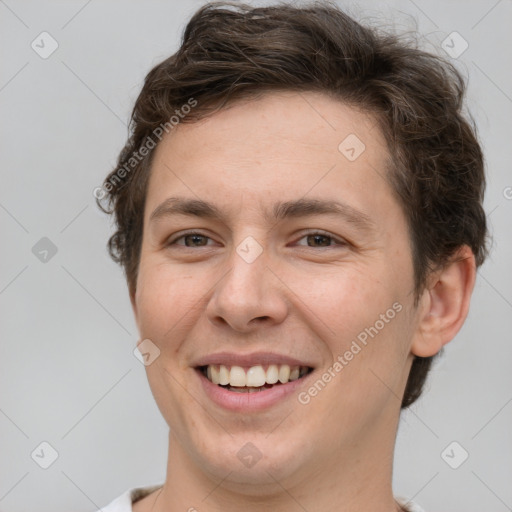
<point>281,210</point>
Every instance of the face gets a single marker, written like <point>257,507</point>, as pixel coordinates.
<point>276,259</point>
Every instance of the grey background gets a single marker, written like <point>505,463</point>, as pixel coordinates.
<point>67,372</point>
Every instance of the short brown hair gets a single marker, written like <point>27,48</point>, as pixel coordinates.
<point>231,51</point>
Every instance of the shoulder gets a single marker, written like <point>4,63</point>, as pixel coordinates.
<point>409,506</point>
<point>132,500</point>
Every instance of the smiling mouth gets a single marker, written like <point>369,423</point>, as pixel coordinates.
<point>253,379</point>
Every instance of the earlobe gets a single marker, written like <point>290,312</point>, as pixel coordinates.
<point>445,304</point>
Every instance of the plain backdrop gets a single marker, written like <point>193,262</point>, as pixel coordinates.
<point>68,376</point>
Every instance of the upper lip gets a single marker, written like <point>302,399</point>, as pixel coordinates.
<point>248,360</point>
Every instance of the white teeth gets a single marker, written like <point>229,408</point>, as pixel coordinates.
<point>272,374</point>
<point>215,375</point>
<point>237,376</point>
<point>255,376</point>
<point>294,373</point>
<point>223,375</point>
<point>284,374</point>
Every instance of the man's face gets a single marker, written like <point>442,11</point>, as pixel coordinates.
<point>277,278</point>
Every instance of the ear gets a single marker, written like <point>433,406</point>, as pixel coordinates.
<point>444,304</point>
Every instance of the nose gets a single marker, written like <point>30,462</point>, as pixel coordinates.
<point>248,296</point>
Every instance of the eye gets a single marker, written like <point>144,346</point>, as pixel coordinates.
<point>320,239</point>
<point>191,240</point>
<point>313,240</point>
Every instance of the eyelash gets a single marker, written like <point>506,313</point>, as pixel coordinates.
<point>325,234</point>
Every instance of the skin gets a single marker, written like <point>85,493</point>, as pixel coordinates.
<point>303,296</point>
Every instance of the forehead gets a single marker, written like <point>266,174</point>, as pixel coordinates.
<point>281,146</point>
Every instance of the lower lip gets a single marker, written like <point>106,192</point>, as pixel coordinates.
<point>246,402</point>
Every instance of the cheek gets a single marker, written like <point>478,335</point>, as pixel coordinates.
<point>361,316</point>
<point>164,299</point>
<point>368,369</point>
<point>344,300</point>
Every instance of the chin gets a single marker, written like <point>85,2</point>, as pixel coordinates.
<point>251,461</point>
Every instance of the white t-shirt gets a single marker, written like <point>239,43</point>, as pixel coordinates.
<point>124,502</point>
